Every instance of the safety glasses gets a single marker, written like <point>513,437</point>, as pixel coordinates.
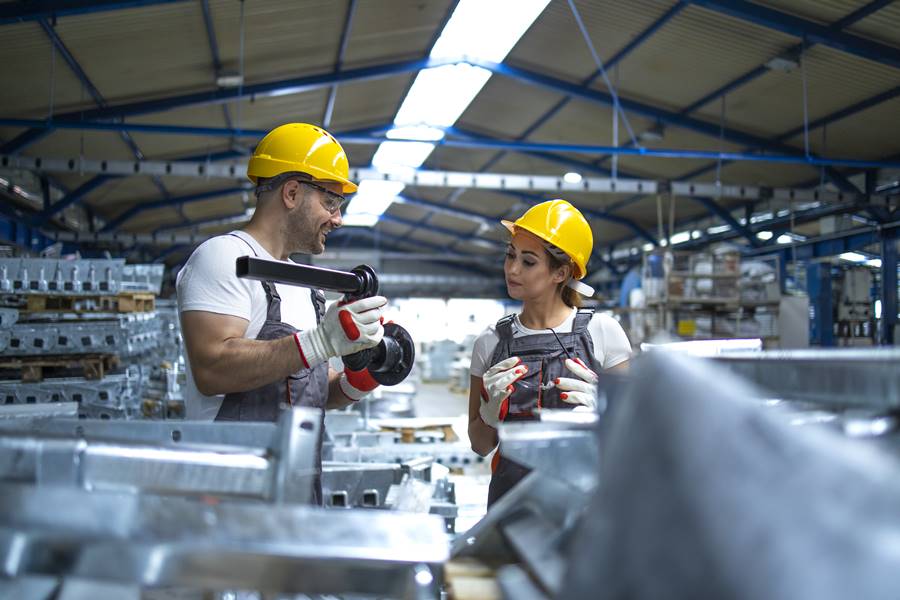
<point>331,201</point>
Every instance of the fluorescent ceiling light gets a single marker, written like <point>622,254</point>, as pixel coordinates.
<point>572,177</point>
<point>439,96</point>
<point>765,235</point>
<point>874,262</point>
<point>486,30</point>
<point>878,309</point>
<point>718,229</point>
<point>784,239</point>
<point>681,237</point>
<point>477,30</point>
<point>647,247</point>
<point>371,200</point>
<point>852,257</point>
<point>696,234</point>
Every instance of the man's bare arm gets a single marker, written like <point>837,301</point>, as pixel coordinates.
<point>223,361</point>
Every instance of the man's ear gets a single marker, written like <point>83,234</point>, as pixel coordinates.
<point>290,194</point>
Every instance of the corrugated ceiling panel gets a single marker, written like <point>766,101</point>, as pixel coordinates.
<point>817,11</point>
<point>367,103</point>
<point>164,47</point>
<point>281,38</point>
<point>27,60</point>
<point>773,103</point>
<point>401,30</point>
<point>695,53</point>
<point>68,143</point>
<point>881,26</point>
<point>554,44</point>
<point>872,134</point>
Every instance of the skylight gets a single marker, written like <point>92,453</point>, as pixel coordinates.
<point>438,96</point>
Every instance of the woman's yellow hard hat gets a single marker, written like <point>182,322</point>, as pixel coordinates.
<point>561,224</point>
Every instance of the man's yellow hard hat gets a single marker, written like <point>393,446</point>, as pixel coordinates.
<point>561,224</point>
<point>303,148</point>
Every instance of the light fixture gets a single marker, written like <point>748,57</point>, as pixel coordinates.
<point>229,80</point>
<point>681,237</point>
<point>572,177</point>
<point>874,262</point>
<point>438,96</point>
<point>852,257</point>
<point>784,63</point>
<point>655,133</point>
<point>784,239</point>
<point>764,235</point>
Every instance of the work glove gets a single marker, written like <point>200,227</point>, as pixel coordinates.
<point>346,328</point>
<point>581,391</point>
<point>497,385</point>
<point>357,384</point>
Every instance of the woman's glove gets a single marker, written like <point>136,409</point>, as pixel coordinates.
<point>582,391</point>
<point>497,385</point>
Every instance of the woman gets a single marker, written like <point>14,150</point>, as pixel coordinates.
<point>546,356</point>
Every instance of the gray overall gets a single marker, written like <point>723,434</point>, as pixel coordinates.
<point>545,358</point>
<point>306,387</point>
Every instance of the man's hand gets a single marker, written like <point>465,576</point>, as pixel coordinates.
<point>498,385</point>
<point>582,391</point>
<point>345,329</point>
<point>356,385</point>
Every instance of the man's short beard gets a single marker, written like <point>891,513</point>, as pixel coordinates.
<point>300,234</point>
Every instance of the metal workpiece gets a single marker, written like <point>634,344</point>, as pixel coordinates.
<point>85,276</point>
<point>360,282</point>
<point>726,499</point>
<point>834,378</point>
<point>124,335</point>
<point>115,395</point>
<point>23,416</point>
<point>158,542</point>
<point>563,446</point>
<point>8,317</point>
<point>282,471</point>
<point>359,485</point>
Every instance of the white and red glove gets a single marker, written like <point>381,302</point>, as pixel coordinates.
<point>356,385</point>
<point>497,385</point>
<point>345,329</point>
<point>581,391</point>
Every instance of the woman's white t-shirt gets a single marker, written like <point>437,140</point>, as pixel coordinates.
<point>611,345</point>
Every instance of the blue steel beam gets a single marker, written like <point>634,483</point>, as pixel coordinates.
<point>804,29</point>
<point>723,213</point>
<point>32,10</point>
<point>339,62</point>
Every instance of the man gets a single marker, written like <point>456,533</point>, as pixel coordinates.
<point>255,348</point>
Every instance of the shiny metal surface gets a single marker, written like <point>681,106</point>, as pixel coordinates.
<point>558,447</point>
<point>153,541</point>
<point>281,471</point>
<point>24,415</point>
<point>838,378</point>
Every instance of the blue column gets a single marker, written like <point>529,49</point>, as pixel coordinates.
<point>821,311</point>
<point>888,285</point>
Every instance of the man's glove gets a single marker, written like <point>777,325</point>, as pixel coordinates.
<point>497,385</point>
<point>356,385</point>
<point>582,391</point>
<point>345,329</point>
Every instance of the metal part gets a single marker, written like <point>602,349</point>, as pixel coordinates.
<point>77,277</point>
<point>114,396</point>
<point>27,413</point>
<point>840,378</point>
<point>161,542</point>
<point>125,335</point>
<point>280,472</point>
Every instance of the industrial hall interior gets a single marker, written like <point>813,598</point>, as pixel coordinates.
<point>449,299</point>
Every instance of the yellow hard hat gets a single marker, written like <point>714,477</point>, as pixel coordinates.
<point>303,148</point>
<point>561,224</point>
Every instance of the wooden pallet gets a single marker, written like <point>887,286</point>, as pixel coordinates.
<point>408,428</point>
<point>127,302</point>
<point>34,369</point>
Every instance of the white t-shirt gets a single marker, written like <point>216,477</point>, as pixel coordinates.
<point>208,282</point>
<point>611,346</point>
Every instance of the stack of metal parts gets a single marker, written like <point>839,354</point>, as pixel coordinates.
<point>205,506</point>
<point>371,469</point>
<point>759,475</point>
<point>86,331</point>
